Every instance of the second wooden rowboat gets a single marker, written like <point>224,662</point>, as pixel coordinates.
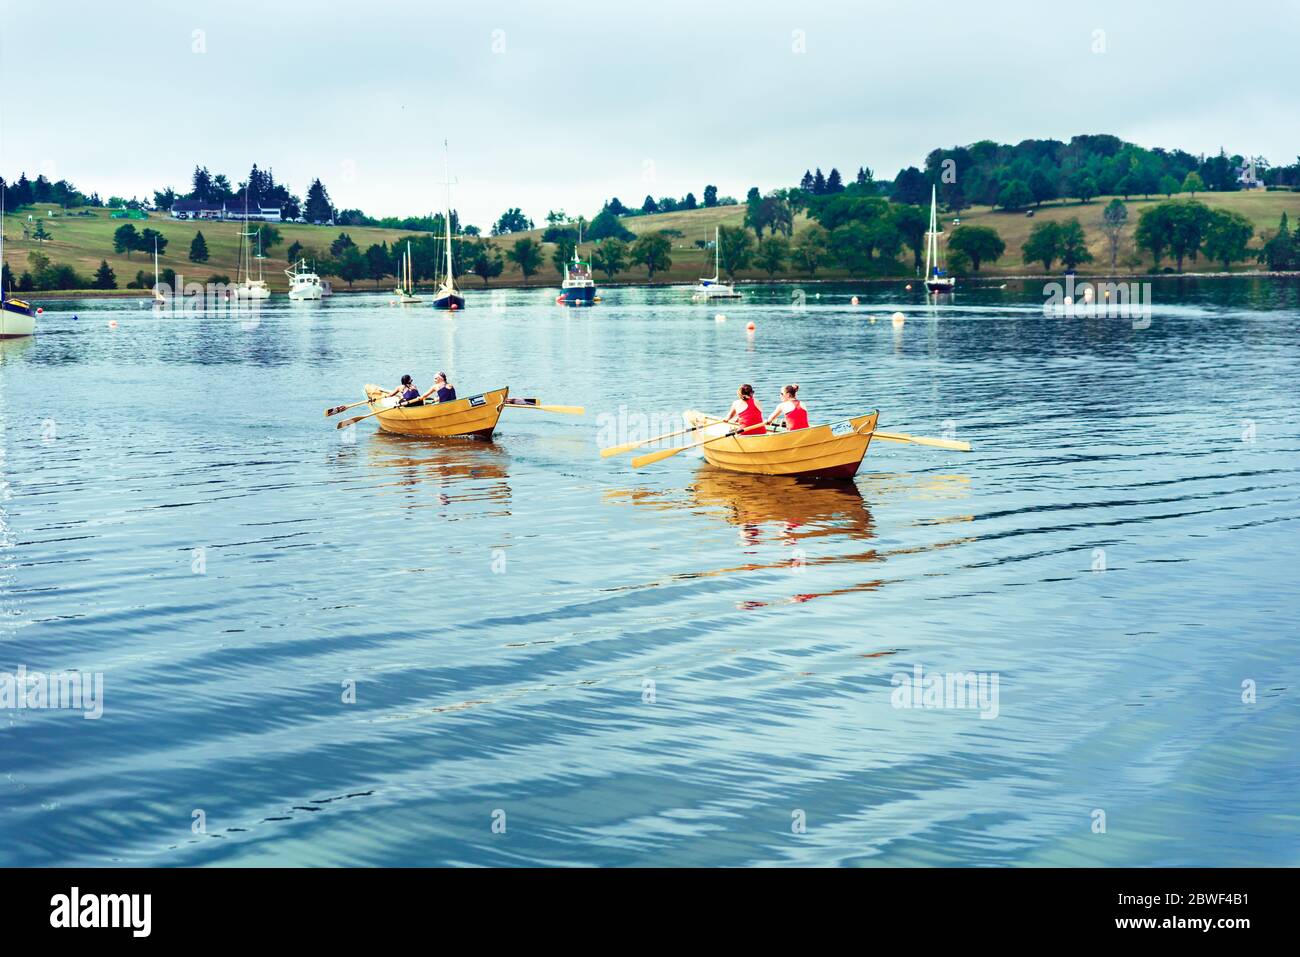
<point>831,451</point>
<point>475,416</point>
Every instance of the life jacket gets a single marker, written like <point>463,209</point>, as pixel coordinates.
<point>752,415</point>
<point>797,418</point>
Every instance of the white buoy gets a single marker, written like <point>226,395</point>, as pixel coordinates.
<point>898,318</point>
<point>719,318</point>
<point>909,287</point>
<point>854,300</point>
<point>1069,300</point>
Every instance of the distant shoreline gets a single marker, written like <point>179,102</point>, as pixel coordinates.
<point>980,280</point>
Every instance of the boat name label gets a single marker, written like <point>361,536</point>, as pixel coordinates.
<point>843,428</point>
<point>476,401</point>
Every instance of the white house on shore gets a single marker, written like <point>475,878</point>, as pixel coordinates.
<point>197,209</point>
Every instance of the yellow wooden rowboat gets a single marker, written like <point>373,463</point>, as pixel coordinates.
<point>475,416</point>
<point>822,451</point>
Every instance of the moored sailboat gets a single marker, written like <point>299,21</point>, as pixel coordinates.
<point>936,277</point>
<point>405,290</point>
<point>448,296</point>
<point>17,317</point>
<point>713,288</point>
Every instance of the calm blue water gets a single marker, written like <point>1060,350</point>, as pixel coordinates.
<point>667,667</point>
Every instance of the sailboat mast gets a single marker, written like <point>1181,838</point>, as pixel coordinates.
<point>717,247</point>
<point>929,236</point>
<point>446,176</point>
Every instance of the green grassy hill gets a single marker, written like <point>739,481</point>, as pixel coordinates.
<point>82,241</point>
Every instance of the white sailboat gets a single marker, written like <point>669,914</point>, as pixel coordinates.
<point>405,290</point>
<point>936,277</point>
<point>707,289</point>
<point>448,296</point>
<point>304,284</point>
<point>17,318</point>
<point>248,287</point>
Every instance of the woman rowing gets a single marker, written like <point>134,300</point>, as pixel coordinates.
<point>442,391</point>
<point>404,394</point>
<point>746,413</point>
<point>796,416</point>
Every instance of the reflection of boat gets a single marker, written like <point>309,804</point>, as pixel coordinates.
<point>474,417</point>
<point>707,289</point>
<point>17,317</point>
<point>794,509</point>
<point>822,451</point>
<point>303,283</point>
<point>578,288</point>
<point>936,277</point>
<point>448,297</point>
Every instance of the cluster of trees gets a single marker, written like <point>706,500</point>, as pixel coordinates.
<point>1186,229</point>
<point>24,192</point>
<point>670,204</point>
<point>127,240</point>
<point>44,274</point>
<point>1035,171</point>
<point>1282,249</point>
<point>815,184</point>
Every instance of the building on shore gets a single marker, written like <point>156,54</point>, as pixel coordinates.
<point>198,209</point>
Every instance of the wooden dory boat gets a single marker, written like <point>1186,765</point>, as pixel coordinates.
<point>475,416</point>
<point>822,451</point>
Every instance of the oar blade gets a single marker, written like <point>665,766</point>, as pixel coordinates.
<point>352,421</point>
<point>620,449</point>
<point>643,460</point>
<point>951,445</point>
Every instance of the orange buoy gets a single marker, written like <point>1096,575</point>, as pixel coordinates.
<point>750,327</point>
<point>112,323</point>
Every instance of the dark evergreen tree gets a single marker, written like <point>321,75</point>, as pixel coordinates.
<point>833,182</point>
<point>319,209</point>
<point>199,248</point>
<point>819,183</point>
<point>710,196</point>
<point>104,278</point>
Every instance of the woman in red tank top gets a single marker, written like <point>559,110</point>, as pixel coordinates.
<point>796,416</point>
<point>745,411</point>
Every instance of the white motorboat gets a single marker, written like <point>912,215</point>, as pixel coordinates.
<point>304,284</point>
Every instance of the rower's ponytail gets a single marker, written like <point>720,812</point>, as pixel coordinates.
<point>793,390</point>
<point>746,391</point>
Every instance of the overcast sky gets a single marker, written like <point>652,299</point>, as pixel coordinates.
<point>560,105</point>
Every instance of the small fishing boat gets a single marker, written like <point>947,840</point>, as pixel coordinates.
<point>405,290</point>
<point>578,288</point>
<point>707,289</point>
<point>475,416</point>
<point>821,451</point>
<point>448,296</point>
<point>17,317</point>
<point>303,283</point>
<point>936,277</point>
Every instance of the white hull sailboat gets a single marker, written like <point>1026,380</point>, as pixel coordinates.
<point>304,285</point>
<point>17,318</point>
<point>248,287</point>
<point>707,289</point>
<point>158,298</point>
<point>936,277</point>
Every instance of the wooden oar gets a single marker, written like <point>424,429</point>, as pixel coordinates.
<point>950,444</point>
<point>629,446</point>
<point>343,408</point>
<point>659,456</point>
<point>534,404</point>
<point>355,419</point>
